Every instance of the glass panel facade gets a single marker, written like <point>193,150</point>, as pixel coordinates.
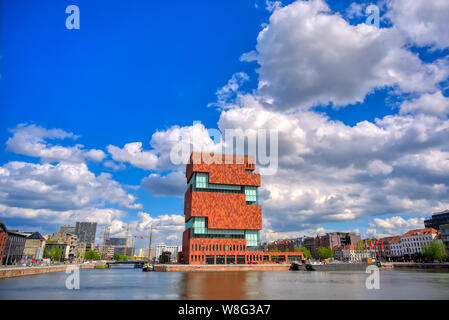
<point>252,238</point>
<point>202,180</point>
<point>252,195</point>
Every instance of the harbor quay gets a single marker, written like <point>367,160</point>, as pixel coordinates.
<point>28,271</point>
<point>209,267</point>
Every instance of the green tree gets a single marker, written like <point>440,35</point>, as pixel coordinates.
<point>92,255</point>
<point>46,253</point>
<point>325,253</point>
<point>55,253</point>
<point>118,256</point>
<point>306,252</point>
<point>434,251</point>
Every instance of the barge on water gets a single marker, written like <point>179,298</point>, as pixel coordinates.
<point>356,266</point>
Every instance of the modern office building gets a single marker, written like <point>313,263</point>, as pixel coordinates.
<point>15,244</point>
<point>119,244</point>
<point>86,231</point>
<point>444,232</point>
<point>83,248</point>
<point>437,219</point>
<point>223,217</point>
<point>3,240</point>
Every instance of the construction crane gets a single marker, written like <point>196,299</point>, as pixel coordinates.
<point>140,240</point>
<point>128,227</point>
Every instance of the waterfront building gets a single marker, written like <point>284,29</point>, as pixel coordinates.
<point>105,251</point>
<point>3,240</point>
<point>287,245</point>
<point>63,247</point>
<point>437,219</point>
<point>337,239</point>
<point>413,240</point>
<point>118,245</point>
<point>353,253</point>
<point>444,233</point>
<point>15,244</point>
<point>173,250</point>
<point>393,247</point>
<point>312,244</point>
<point>223,217</point>
<point>86,231</point>
<point>71,240</point>
<point>34,245</point>
<point>83,248</point>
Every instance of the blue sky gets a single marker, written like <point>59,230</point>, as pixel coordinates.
<point>137,68</point>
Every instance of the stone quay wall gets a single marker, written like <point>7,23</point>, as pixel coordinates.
<point>223,267</point>
<point>28,271</point>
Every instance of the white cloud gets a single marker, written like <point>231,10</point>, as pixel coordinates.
<point>423,22</point>
<point>133,153</point>
<point>309,56</point>
<point>429,103</point>
<point>167,228</point>
<point>31,140</point>
<point>332,172</point>
<point>194,137</point>
<point>228,92</point>
<point>394,226</point>
<point>61,187</point>
<point>172,184</point>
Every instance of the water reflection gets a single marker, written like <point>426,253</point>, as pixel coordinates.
<point>123,283</point>
<point>236,285</point>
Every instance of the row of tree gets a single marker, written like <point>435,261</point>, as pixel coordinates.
<point>434,251</point>
<point>55,254</point>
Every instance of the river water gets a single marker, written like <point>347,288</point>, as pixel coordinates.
<point>129,283</point>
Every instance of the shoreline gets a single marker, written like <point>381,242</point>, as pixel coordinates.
<point>13,272</point>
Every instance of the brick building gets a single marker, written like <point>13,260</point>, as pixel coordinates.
<point>222,212</point>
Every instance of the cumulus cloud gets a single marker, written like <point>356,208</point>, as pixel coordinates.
<point>394,226</point>
<point>309,56</point>
<point>429,103</point>
<point>31,140</point>
<point>61,187</point>
<point>170,148</point>
<point>332,172</point>
<point>133,153</point>
<point>172,184</point>
<point>229,91</point>
<point>423,22</point>
<point>166,228</point>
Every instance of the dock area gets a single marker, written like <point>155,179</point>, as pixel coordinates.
<point>414,265</point>
<point>220,267</point>
<point>28,271</point>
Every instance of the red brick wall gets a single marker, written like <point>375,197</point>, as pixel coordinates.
<point>202,247</point>
<point>223,210</point>
<point>233,173</point>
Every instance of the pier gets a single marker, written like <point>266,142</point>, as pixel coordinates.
<point>28,271</point>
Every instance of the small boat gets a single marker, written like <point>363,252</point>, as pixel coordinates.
<point>296,266</point>
<point>147,267</point>
<point>357,266</point>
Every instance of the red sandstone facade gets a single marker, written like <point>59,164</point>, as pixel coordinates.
<point>222,213</point>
